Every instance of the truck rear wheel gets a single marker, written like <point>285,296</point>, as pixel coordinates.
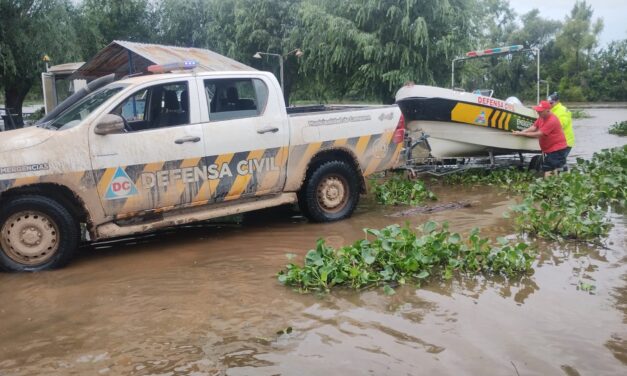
<point>330,193</point>
<point>36,233</point>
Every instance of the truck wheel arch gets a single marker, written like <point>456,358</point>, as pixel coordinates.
<point>60,193</point>
<point>335,154</point>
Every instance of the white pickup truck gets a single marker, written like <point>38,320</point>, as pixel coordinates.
<point>161,150</point>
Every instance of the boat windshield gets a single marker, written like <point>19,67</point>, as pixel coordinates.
<point>81,109</point>
<point>484,92</point>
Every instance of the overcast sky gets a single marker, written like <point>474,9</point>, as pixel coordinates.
<point>613,13</point>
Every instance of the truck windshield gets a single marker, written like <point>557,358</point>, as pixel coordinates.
<point>81,109</point>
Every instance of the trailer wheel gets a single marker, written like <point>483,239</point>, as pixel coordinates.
<point>36,233</point>
<point>330,193</point>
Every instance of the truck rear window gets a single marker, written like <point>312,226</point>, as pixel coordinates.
<point>235,98</point>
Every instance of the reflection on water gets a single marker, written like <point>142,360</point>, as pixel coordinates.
<point>204,300</point>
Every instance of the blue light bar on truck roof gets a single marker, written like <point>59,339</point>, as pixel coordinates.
<point>169,67</point>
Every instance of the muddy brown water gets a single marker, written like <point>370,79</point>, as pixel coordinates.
<point>204,300</point>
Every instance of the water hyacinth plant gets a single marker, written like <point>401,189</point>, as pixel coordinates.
<point>619,129</point>
<point>574,205</point>
<point>513,178</point>
<point>400,190</point>
<point>579,114</point>
<point>397,255</point>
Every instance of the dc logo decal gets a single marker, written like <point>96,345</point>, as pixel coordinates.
<point>121,186</point>
<point>481,118</point>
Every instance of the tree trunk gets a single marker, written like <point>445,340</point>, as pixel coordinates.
<point>15,98</point>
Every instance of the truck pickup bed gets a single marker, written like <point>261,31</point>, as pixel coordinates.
<point>161,150</point>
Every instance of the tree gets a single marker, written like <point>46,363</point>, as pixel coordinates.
<point>607,77</point>
<point>369,48</point>
<point>235,28</point>
<point>187,23</point>
<point>577,40</point>
<point>99,22</point>
<point>29,29</point>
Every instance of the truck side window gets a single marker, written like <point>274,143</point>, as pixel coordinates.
<point>236,98</point>
<point>158,106</point>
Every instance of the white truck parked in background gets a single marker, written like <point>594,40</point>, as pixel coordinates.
<point>161,150</point>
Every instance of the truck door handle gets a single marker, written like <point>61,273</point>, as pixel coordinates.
<point>187,139</point>
<point>268,129</point>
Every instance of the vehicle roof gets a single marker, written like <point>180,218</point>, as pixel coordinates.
<point>166,76</point>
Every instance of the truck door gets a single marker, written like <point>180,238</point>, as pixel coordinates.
<point>158,162</point>
<point>246,136</point>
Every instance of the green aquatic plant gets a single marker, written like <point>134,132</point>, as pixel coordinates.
<point>619,129</point>
<point>400,190</point>
<point>512,178</point>
<point>579,114</point>
<point>396,255</point>
<point>574,205</point>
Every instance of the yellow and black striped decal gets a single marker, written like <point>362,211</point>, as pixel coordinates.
<point>126,191</point>
<point>439,109</point>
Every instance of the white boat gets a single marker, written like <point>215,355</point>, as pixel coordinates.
<point>462,124</point>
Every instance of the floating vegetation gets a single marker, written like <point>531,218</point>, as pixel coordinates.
<point>513,178</point>
<point>574,205</point>
<point>619,129</point>
<point>400,190</point>
<point>579,114</point>
<point>397,255</point>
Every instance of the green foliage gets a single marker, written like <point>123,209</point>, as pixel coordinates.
<point>619,128</point>
<point>578,38</point>
<point>573,205</point>
<point>355,51</point>
<point>513,179</point>
<point>30,29</point>
<point>579,114</point>
<point>38,114</point>
<point>103,21</point>
<point>606,77</point>
<point>400,190</point>
<point>369,48</point>
<point>398,255</point>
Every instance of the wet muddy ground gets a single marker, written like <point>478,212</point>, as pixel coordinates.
<point>204,300</point>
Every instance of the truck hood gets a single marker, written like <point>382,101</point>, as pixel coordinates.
<point>23,138</point>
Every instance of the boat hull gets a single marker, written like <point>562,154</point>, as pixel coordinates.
<point>460,124</point>
<point>452,140</point>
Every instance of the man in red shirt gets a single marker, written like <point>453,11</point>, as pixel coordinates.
<point>551,136</point>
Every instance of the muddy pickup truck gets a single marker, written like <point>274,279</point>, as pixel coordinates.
<point>162,150</point>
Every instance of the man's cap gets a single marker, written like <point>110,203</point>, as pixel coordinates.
<point>542,106</point>
<point>553,97</point>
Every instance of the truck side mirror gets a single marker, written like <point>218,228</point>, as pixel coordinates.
<point>109,123</point>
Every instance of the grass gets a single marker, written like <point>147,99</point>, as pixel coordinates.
<point>398,255</point>
<point>619,129</point>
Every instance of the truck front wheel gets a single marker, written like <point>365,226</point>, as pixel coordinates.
<point>36,233</point>
<point>330,193</point>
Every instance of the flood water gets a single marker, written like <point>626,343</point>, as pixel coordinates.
<point>204,300</point>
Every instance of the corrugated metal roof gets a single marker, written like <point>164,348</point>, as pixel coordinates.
<point>116,56</point>
<point>65,68</point>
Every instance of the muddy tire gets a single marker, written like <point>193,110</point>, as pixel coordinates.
<point>36,233</point>
<point>330,193</point>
